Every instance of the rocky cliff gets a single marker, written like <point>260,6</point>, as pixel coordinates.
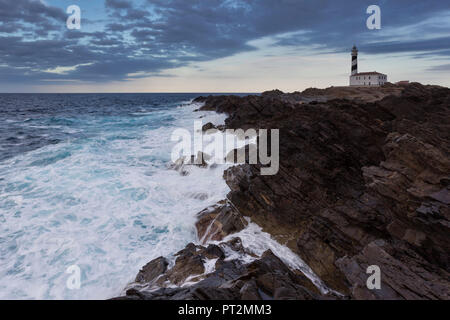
<point>364,180</point>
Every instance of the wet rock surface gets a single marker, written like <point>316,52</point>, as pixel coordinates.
<point>266,278</point>
<point>219,221</point>
<point>152,270</point>
<point>210,128</point>
<point>364,180</point>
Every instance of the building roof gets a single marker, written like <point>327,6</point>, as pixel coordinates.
<point>368,73</point>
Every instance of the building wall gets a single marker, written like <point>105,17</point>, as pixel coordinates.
<point>368,80</point>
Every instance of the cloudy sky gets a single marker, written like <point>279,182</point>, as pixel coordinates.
<point>217,45</point>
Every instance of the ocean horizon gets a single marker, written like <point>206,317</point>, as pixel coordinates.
<point>214,157</point>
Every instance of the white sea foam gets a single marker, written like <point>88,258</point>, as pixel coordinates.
<point>256,241</point>
<point>108,205</point>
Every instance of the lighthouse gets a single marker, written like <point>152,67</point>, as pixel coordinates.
<point>364,79</point>
<point>354,60</point>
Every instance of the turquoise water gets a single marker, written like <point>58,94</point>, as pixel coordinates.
<point>84,181</point>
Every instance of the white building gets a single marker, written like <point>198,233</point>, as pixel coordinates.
<point>368,79</point>
<point>364,79</point>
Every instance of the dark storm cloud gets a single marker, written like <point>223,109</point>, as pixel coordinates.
<point>150,36</point>
<point>26,15</point>
<point>30,11</point>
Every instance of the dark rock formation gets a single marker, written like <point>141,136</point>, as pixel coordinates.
<point>208,126</point>
<point>218,222</point>
<point>364,180</point>
<point>352,172</point>
<point>266,278</point>
<point>152,270</point>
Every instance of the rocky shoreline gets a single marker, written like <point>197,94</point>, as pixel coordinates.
<point>364,180</point>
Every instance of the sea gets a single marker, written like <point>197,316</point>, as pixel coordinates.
<point>84,181</point>
<point>86,190</point>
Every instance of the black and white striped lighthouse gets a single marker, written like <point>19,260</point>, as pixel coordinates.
<point>354,60</point>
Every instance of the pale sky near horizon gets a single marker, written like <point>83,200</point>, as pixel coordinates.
<point>217,45</point>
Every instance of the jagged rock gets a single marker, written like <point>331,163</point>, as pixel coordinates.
<point>208,126</point>
<point>276,281</point>
<point>363,180</point>
<point>356,166</point>
<point>188,263</point>
<point>404,274</point>
<point>265,278</point>
<point>217,222</point>
<point>152,270</point>
<point>249,291</point>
